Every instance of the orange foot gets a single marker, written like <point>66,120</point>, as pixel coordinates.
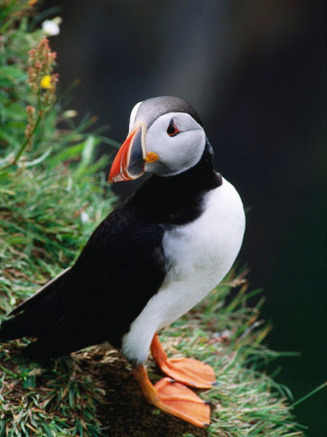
<point>186,370</point>
<point>174,398</point>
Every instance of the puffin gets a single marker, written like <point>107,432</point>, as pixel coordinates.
<point>149,262</point>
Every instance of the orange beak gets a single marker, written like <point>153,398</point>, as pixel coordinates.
<point>130,160</point>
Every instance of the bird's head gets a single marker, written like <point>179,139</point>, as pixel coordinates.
<point>165,138</point>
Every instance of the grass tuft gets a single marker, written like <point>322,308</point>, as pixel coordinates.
<point>59,397</point>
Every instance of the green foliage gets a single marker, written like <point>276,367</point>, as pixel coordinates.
<point>50,201</point>
<point>15,43</point>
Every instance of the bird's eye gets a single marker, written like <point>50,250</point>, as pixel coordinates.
<point>172,129</point>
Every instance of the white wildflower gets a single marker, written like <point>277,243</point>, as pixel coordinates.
<point>51,27</point>
<point>70,113</point>
<point>85,218</point>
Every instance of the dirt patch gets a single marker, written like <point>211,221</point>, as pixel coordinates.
<point>125,412</point>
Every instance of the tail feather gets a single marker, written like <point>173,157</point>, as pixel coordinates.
<point>17,327</point>
<point>43,293</point>
<point>30,318</point>
<point>61,339</point>
<point>54,317</point>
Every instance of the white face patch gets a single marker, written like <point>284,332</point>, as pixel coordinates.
<point>178,152</point>
<point>133,115</point>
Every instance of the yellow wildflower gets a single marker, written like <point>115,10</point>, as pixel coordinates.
<point>46,82</point>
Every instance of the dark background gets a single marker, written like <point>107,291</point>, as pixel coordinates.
<point>256,72</point>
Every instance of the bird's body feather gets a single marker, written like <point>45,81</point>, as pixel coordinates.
<point>199,255</point>
<point>149,262</point>
<point>146,264</point>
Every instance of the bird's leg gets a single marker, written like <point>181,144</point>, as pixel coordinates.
<point>186,370</point>
<point>173,398</point>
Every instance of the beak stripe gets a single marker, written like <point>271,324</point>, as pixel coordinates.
<point>129,161</point>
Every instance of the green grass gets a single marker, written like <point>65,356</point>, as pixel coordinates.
<point>65,396</point>
<point>56,400</point>
<point>41,226</point>
<point>51,199</point>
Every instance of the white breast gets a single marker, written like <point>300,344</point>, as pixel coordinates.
<point>199,254</point>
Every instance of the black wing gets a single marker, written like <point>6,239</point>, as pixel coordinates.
<point>28,317</point>
<point>121,267</point>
